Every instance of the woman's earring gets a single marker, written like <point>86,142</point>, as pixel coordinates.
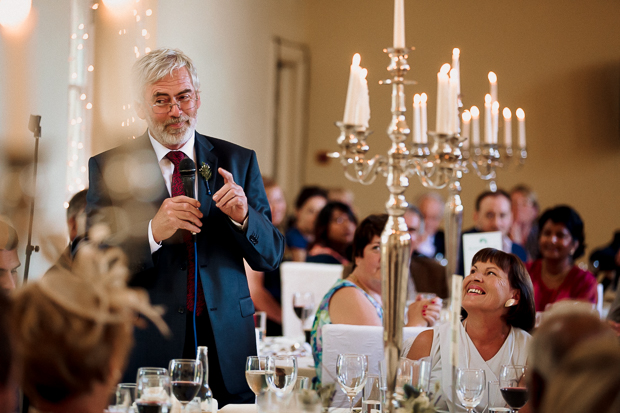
<point>510,302</point>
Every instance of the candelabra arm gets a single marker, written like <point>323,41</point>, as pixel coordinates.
<point>366,171</point>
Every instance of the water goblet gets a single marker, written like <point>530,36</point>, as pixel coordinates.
<point>255,369</point>
<point>153,393</point>
<point>512,385</point>
<point>352,371</point>
<point>186,379</point>
<point>281,374</point>
<point>470,385</point>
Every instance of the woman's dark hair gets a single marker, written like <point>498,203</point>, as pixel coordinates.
<point>567,216</point>
<point>308,192</point>
<point>321,227</point>
<point>522,315</point>
<point>364,233</point>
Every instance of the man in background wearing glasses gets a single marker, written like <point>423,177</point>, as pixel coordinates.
<point>137,192</point>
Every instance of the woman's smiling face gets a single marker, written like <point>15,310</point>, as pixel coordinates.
<point>486,288</point>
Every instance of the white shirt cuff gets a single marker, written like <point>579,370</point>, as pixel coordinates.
<point>154,245</point>
<point>241,227</point>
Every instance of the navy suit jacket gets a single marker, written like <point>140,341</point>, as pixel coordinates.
<point>120,200</point>
<point>516,249</point>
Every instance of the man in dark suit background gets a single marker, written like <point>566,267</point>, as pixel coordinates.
<point>493,213</point>
<point>134,190</point>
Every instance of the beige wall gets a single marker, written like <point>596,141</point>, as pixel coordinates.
<point>558,60</point>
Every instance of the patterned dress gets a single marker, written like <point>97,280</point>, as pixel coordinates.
<point>322,318</point>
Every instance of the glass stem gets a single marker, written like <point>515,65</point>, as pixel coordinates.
<point>351,404</point>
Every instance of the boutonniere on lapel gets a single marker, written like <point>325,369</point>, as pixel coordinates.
<point>205,172</point>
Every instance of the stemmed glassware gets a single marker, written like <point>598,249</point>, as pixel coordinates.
<point>186,379</point>
<point>352,371</point>
<point>303,304</point>
<point>255,370</point>
<point>281,374</point>
<point>153,392</point>
<point>512,385</point>
<point>470,385</point>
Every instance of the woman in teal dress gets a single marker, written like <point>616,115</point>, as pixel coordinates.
<point>357,299</point>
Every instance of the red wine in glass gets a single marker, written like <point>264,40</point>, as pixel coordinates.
<point>516,397</point>
<point>185,391</point>
<point>151,406</point>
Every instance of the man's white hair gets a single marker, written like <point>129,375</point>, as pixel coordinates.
<point>158,64</point>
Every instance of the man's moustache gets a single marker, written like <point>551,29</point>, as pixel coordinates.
<point>176,120</point>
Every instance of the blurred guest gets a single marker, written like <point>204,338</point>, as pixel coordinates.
<point>613,317</point>
<point>76,223</point>
<point>524,230</point>
<point>432,242</point>
<point>73,331</point>
<point>563,328</point>
<point>9,261</point>
<point>344,195</point>
<point>555,277</point>
<point>333,235</point>
<point>493,213</point>
<point>588,381</point>
<point>309,203</point>
<point>356,300</point>
<point>606,262</point>
<point>265,287</point>
<point>8,362</point>
<point>499,301</point>
<point>426,275</point>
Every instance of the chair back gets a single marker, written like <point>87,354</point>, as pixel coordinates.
<point>304,277</point>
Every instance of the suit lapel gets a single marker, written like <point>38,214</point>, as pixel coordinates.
<point>204,156</point>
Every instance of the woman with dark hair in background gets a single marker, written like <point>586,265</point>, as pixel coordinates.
<point>555,277</point>
<point>333,235</point>
<point>499,301</point>
<point>309,203</point>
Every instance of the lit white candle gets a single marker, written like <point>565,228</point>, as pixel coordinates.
<point>399,24</point>
<point>465,128</point>
<point>521,119</point>
<point>456,66</point>
<point>362,112</point>
<point>493,84</point>
<point>443,99</point>
<point>507,127</point>
<point>475,126</point>
<point>495,115</point>
<point>488,121</point>
<point>424,120</point>
<point>417,125</point>
<point>352,91</point>
<point>455,318</point>
<point>453,96</point>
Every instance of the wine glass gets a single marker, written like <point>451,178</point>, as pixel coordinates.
<point>352,370</point>
<point>512,385</point>
<point>255,373</point>
<point>470,384</point>
<point>153,393</point>
<point>303,304</point>
<point>281,374</point>
<point>186,379</point>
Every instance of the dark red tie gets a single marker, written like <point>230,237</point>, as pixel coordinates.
<point>176,187</point>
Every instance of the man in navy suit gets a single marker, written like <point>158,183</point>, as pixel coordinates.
<point>493,213</point>
<point>135,191</point>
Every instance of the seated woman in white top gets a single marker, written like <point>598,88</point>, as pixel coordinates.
<point>499,300</point>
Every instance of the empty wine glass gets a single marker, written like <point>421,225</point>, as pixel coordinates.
<point>470,384</point>
<point>186,379</point>
<point>352,371</point>
<point>255,367</point>
<point>281,374</point>
<point>153,393</point>
<point>512,385</point>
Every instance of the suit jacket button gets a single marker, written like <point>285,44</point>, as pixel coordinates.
<point>183,267</point>
<point>253,239</point>
<point>181,310</point>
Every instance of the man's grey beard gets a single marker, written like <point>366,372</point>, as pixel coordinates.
<point>169,139</point>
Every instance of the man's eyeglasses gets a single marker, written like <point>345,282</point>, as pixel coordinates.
<point>185,102</point>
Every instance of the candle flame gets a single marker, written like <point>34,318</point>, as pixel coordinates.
<point>454,73</point>
<point>356,59</point>
<point>507,113</point>
<point>445,68</point>
<point>495,107</point>
<point>475,112</point>
<point>14,12</point>
<point>466,116</point>
<point>416,99</point>
<point>456,52</point>
<point>492,77</point>
<point>520,114</point>
<point>423,98</point>
<point>487,99</point>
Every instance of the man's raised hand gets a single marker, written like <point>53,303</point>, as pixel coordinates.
<point>231,199</point>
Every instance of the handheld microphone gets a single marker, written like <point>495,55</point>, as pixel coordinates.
<point>187,169</point>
